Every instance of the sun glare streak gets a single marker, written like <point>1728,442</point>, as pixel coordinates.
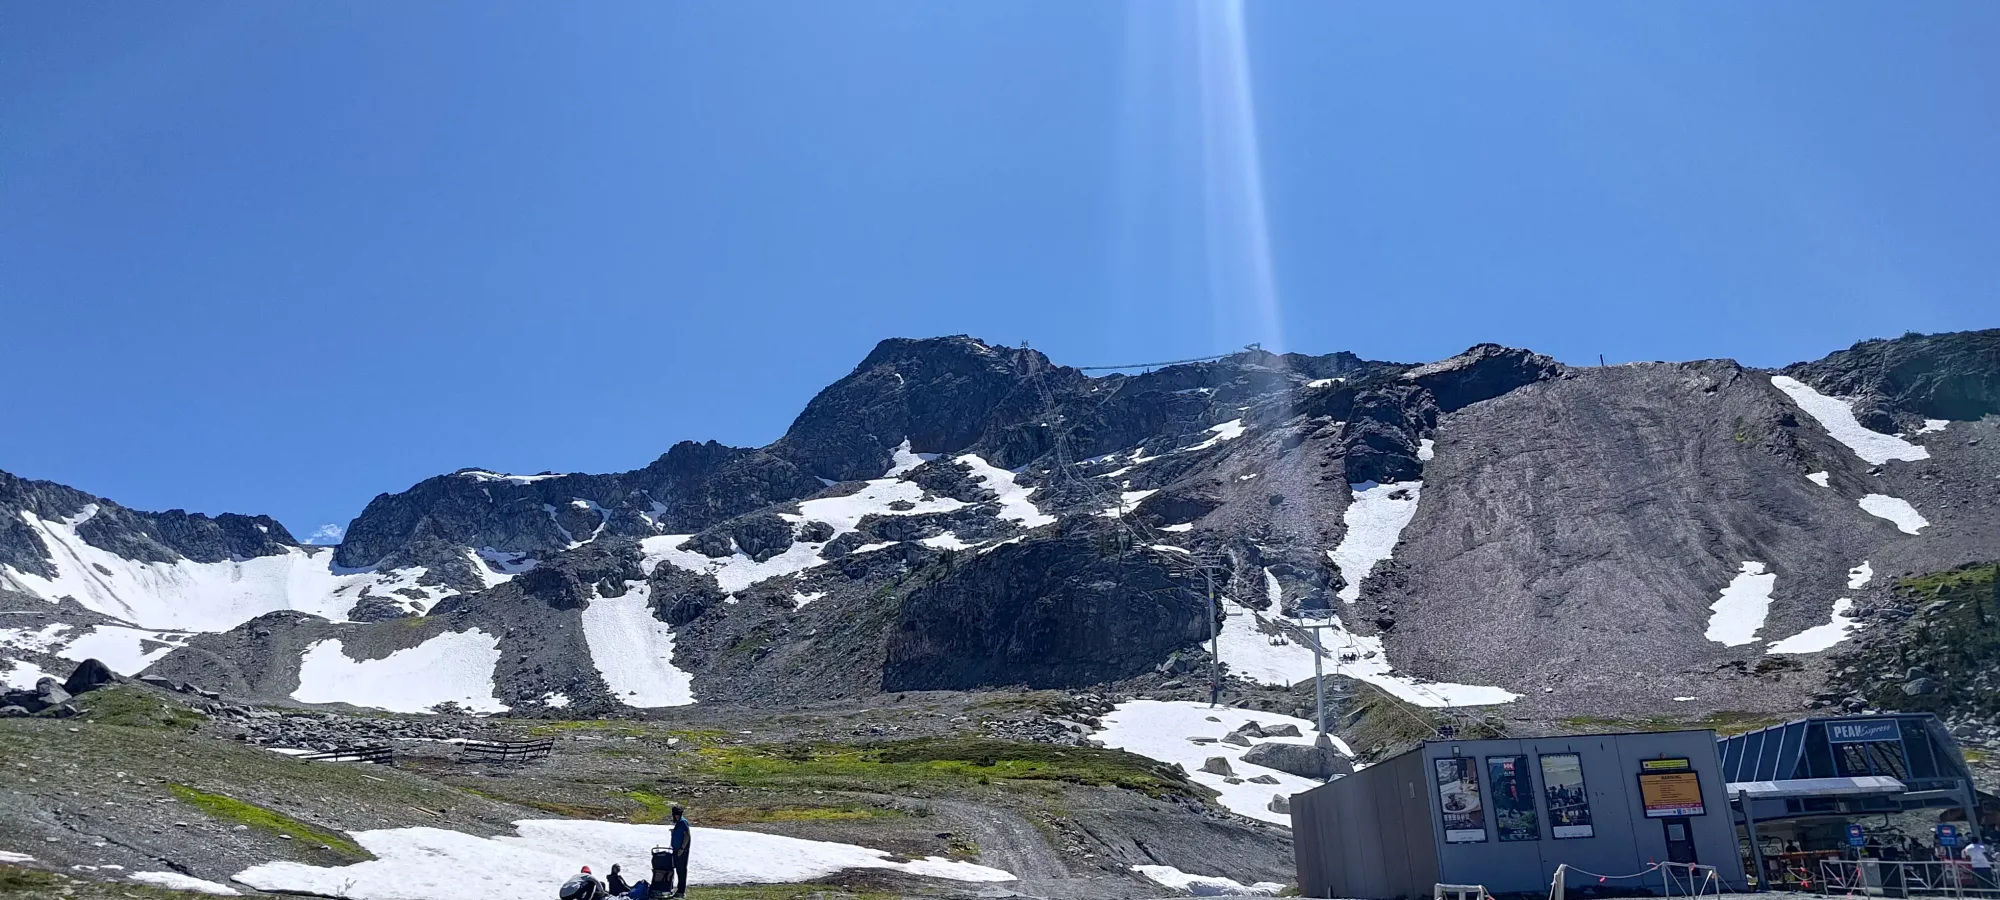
<point>1241,282</point>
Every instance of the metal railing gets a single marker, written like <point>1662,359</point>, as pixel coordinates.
<point>1690,880</point>
<point>1904,878</point>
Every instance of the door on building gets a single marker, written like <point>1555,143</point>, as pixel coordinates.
<point>1680,840</point>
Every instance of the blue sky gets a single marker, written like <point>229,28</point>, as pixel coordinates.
<point>278,258</point>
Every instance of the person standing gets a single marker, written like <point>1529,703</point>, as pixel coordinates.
<point>681,843</point>
<point>1981,858</point>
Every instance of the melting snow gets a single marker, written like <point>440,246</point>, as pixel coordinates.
<point>1820,637</point>
<point>193,596</point>
<point>178,882</point>
<point>634,650</point>
<point>123,649</point>
<point>1896,510</point>
<point>453,666</point>
<point>1160,729</point>
<point>1127,502</point>
<point>945,541</point>
<point>40,641</point>
<point>1837,417</point>
<point>1858,576</point>
<point>436,864</point>
<point>1323,382</point>
<point>1426,450</point>
<point>554,700</point>
<point>483,475</point>
<point>1178,529</point>
<point>1375,522</point>
<point>1227,431</point>
<point>1820,478</point>
<point>901,460</point>
<point>803,598</point>
<point>1014,503</point>
<point>1740,611</point>
<point>22,676</point>
<point>497,567</point>
<point>1206,885</point>
<point>9,856</point>
<point>1933,425</point>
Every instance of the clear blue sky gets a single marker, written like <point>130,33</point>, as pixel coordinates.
<point>279,257</point>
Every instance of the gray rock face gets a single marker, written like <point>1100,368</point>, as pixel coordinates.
<point>1050,613</point>
<point>1483,372</point>
<point>1940,376</point>
<point>149,537</point>
<point>1299,759</point>
<point>1217,765</point>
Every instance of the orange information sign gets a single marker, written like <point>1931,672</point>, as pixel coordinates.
<point>1667,794</point>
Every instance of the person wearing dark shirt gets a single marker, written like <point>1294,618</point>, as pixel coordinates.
<point>615,883</point>
<point>681,843</point>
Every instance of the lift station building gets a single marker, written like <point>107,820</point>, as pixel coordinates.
<point>1507,813</point>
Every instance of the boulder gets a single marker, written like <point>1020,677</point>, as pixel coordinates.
<point>1217,765</point>
<point>1280,804</point>
<point>50,693</point>
<point>1923,687</point>
<point>13,712</point>
<point>1237,738</point>
<point>90,675</point>
<point>1300,760</point>
<point>1264,779</point>
<point>1271,731</point>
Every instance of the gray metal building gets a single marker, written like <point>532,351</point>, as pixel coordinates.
<point>1506,813</point>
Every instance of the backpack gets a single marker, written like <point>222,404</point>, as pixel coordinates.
<point>579,887</point>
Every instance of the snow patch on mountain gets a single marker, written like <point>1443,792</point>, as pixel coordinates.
<point>185,595</point>
<point>1227,431</point>
<point>634,651</point>
<point>901,460</point>
<point>1015,503</point>
<point>39,640</point>
<point>1821,637</point>
<point>1127,502</point>
<point>438,864</point>
<point>1859,576</point>
<point>1932,426</point>
<point>1375,522</point>
<point>1161,730</point>
<point>21,675</point>
<point>1894,509</point>
<point>1739,612</point>
<point>127,651</point>
<point>456,667</point>
<point>483,475</point>
<point>1823,479</point>
<point>1206,885</point>
<point>497,567</point>
<point>1837,417</point>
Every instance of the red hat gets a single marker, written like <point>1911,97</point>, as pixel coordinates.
<point>586,870</point>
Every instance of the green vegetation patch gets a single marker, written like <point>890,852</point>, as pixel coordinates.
<point>1953,633</point>
<point>229,808</point>
<point>1723,722</point>
<point>24,883</point>
<point>743,815</point>
<point>938,761</point>
<point>135,707</point>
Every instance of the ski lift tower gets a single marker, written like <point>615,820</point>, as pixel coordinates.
<point>1186,567</point>
<point>1313,620</point>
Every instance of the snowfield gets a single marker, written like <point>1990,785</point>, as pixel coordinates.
<point>437,864</point>
<point>634,651</point>
<point>192,596</point>
<point>1837,417</point>
<point>1159,729</point>
<point>1820,637</point>
<point>454,666</point>
<point>1206,885</point>
<point>1737,615</point>
<point>175,881</point>
<point>878,497</point>
<point>1252,654</point>
<point>1375,522</point>
<point>1894,509</point>
<point>126,651</point>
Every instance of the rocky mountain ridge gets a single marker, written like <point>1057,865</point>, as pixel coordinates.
<point>1490,528</point>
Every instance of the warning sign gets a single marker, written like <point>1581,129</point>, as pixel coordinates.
<point>1668,794</point>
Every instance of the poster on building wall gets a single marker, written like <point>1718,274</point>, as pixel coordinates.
<point>1562,788</point>
<point>1514,816</point>
<point>1458,797</point>
<point>1671,794</point>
